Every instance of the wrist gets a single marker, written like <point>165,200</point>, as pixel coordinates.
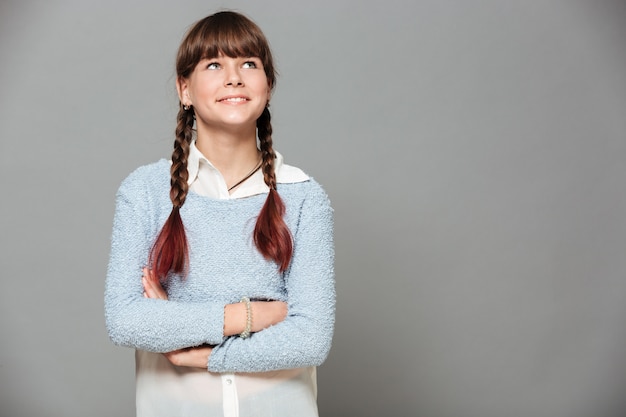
<point>234,319</point>
<point>248,322</point>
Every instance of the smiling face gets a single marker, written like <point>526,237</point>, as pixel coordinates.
<point>225,70</point>
<point>226,93</point>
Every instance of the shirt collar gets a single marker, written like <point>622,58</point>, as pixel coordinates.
<point>193,162</point>
<point>284,173</point>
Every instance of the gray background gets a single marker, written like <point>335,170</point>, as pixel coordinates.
<point>474,152</point>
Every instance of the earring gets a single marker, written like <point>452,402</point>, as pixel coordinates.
<point>186,107</point>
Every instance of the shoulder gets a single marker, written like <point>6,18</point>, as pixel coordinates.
<point>151,176</point>
<point>148,173</point>
<point>309,191</point>
<point>309,212</point>
<point>295,185</point>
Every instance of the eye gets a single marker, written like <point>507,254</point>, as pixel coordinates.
<point>250,64</point>
<point>213,65</point>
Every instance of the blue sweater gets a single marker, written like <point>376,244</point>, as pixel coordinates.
<point>224,266</point>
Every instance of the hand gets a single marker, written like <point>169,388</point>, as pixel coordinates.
<point>194,357</point>
<point>152,286</point>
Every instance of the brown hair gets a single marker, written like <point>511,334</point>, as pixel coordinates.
<point>233,35</point>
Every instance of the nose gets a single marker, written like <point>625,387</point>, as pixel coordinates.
<point>233,78</point>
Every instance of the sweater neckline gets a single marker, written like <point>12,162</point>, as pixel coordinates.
<point>193,196</point>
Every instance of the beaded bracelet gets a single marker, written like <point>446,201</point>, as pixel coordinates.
<point>246,331</point>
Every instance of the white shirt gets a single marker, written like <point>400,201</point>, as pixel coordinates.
<point>205,179</point>
<point>169,391</point>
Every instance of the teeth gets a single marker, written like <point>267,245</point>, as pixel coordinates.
<point>235,99</point>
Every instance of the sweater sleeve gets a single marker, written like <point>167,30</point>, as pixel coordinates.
<point>304,337</point>
<point>135,321</point>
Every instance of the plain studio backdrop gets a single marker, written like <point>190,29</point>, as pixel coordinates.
<point>474,152</point>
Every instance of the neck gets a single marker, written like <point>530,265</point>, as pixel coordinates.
<point>234,154</point>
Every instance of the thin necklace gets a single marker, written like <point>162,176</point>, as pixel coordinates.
<point>255,169</point>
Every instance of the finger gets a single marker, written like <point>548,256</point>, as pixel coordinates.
<point>154,289</point>
<point>145,283</point>
<point>172,357</point>
<point>152,292</point>
<point>148,273</point>
<point>148,288</point>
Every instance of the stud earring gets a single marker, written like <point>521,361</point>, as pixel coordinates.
<point>186,107</point>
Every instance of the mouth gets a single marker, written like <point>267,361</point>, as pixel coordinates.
<point>233,99</point>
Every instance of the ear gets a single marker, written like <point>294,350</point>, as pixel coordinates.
<point>269,94</point>
<point>182,86</point>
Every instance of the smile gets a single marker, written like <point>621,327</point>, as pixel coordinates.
<point>233,99</point>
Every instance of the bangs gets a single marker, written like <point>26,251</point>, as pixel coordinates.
<point>232,39</point>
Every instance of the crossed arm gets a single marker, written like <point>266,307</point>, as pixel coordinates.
<point>301,338</point>
<point>265,313</point>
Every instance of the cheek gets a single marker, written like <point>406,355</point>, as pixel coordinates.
<point>205,85</point>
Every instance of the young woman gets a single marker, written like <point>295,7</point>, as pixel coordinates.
<point>221,268</point>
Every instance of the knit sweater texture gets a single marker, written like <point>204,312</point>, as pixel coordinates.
<point>224,266</point>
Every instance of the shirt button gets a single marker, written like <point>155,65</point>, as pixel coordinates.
<point>229,381</point>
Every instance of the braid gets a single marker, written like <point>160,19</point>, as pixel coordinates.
<point>169,252</point>
<point>178,172</point>
<point>271,234</point>
<point>264,127</point>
